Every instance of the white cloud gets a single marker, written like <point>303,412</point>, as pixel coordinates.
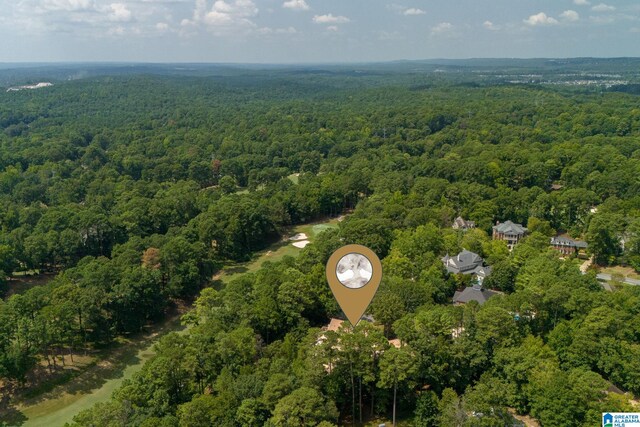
<point>390,36</point>
<point>540,19</point>
<point>441,28</point>
<point>268,30</point>
<point>330,19</point>
<point>88,18</point>
<point>581,2</point>
<point>233,17</point>
<point>116,31</point>
<point>67,5</point>
<point>412,11</point>
<point>200,10</point>
<point>332,28</point>
<point>602,20</point>
<point>296,5</point>
<point>570,15</point>
<point>162,26</point>
<point>603,8</point>
<point>288,30</point>
<point>406,11</point>
<point>119,12</point>
<point>490,26</point>
<point>224,17</point>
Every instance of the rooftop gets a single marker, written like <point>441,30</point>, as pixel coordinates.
<point>334,325</point>
<point>568,241</point>
<point>465,260</point>
<point>509,227</point>
<point>483,271</point>
<point>474,293</point>
<point>463,223</point>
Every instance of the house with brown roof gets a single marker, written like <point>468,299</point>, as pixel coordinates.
<point>462,224</point>
<point>334,325</point>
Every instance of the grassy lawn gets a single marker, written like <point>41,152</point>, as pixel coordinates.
<point>295,178</point>
<point>624,271</point>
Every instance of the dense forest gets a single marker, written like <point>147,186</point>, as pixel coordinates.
<point>137,189</point>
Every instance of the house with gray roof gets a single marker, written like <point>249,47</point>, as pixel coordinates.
<point>568,246</point>
<point>510,232</point>
<point>462,224</point>
<point>467,262</point>
<point>473,293</point>
<point>482,273</point>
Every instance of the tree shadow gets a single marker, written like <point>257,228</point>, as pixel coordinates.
<point>236,270</point>
<point>111,367</point>
<point>11,417</point>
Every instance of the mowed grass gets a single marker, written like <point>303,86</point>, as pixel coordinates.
<point>295,178</point>
<point>619,270</point>
<point>277,251</point>
<point>95,384</point>
<point>98,382</point>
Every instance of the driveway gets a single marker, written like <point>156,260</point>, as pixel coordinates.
<point>607,278</point>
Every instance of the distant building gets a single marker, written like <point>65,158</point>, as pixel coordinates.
<point>457,332</point>
<point>29,87</point>
<point>467,262</point>
<point>510,232</point>
<point>473,293</point>
<point>334,325</point>
<point>567,246</point>
<point>462,224</point>
<point>395,343</point>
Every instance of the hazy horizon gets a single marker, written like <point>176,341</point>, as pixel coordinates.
<point>435,61</point>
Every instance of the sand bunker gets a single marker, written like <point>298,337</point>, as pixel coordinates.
<point>301,244</point>
<point>299,236</point>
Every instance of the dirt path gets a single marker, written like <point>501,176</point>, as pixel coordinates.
<point>584,267</point>
<point>525,419</point>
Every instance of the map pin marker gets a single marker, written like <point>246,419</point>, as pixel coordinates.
<point>354,273</point>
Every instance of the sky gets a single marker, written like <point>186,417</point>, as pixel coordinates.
<point>313,31</point>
